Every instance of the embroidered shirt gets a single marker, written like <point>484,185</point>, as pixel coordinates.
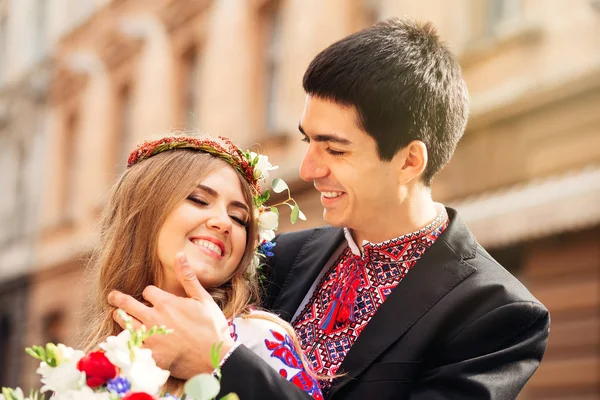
<point>382,266</point>
<point>271,342</point>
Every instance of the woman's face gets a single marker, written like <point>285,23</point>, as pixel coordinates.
<point>210,228</point>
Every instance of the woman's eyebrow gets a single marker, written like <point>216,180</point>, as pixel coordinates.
<point>214,193</point>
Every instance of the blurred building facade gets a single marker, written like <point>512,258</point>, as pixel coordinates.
<point>525,177</point>
<point>28,29</point>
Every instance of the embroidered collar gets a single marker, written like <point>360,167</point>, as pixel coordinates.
<point>370,247</point>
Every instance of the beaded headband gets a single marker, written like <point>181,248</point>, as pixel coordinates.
<point>252,166</point>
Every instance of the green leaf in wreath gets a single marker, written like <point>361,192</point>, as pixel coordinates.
<point>279,185</point>
<point>295,214</point>
<point>301,214</point>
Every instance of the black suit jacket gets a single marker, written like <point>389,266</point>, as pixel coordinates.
<point>458,326</point>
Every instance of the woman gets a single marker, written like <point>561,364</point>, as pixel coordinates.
<point>200,196</point>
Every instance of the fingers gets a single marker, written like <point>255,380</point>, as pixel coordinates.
<point>188,279</point>
<point>117,318</point>
<point>155,296</point>
<point>131,306</point>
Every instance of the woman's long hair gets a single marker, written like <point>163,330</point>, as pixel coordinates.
<point>126,258</point>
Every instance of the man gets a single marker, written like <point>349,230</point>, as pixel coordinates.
<point>396,299</point>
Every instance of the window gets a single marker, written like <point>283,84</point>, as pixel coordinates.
<point>125,136</point>
<point>41,28</point>
<point>372,11</point>
<point>3,44</point>
<point>53,327</point>
<point>5,337</point>
<point>69,167</point>
<point>501,15</point>
<point>271,25</point>
<point>192,66</point>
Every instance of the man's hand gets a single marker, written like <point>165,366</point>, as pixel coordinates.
<point>197,322</point>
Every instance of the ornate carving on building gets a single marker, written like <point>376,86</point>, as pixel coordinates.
<point>176,13</point>
<point>66,84</point>
<point>114,48</point>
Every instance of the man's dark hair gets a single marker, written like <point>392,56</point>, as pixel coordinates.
<point>404,83</point>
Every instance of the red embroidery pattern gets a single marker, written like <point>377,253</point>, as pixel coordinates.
<point>383,266</point>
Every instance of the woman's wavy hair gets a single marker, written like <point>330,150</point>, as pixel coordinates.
<point>126,258</point>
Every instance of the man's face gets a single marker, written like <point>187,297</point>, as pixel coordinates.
<point>357,188</point>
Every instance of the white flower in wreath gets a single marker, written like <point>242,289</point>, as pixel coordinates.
<point>262,167</point>
<point>65,376</point>
<point>268,221</point>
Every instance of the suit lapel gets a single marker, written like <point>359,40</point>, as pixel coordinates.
<point>306,267</point>
<point>439,270</point>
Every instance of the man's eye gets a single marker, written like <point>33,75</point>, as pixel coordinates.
<point>305,139</point>
<point>335,153</point>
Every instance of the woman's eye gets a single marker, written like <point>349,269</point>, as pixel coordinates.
<point>239,220</point>
<point>198,200</point>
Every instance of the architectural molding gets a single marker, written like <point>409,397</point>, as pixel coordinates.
<point>114,48</point>
<point>66,84</point>
<point>176,13</point>
<point>535,100</point>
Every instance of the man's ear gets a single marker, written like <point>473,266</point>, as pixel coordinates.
<point>411,161</point>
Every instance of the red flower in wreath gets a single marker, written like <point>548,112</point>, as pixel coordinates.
<point>98,369</point>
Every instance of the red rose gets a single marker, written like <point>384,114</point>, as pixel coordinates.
<point>138,396</point>
<point>98,369</point>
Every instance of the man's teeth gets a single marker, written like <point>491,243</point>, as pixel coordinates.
<point>331,195</point>
<point>208,245</point>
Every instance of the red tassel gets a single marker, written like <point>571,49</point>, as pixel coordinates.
<point>344,294</point>
<point>331,316</point>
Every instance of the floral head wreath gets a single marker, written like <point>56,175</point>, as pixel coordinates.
<point>252,166</point>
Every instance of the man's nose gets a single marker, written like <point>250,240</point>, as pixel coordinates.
<point>312,166</point>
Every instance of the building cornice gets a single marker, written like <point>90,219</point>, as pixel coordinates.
<point>530,101</point>
<point>176,13</point>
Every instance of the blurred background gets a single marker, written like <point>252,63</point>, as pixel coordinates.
<point>82,81</point>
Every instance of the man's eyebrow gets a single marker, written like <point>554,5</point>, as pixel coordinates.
<point>326,137</point>
<point>214,193</point>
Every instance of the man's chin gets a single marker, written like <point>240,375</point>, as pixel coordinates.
<point>337,221</point>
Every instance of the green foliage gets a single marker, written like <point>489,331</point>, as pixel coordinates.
<point>51,354</point>
<point>279,185</point>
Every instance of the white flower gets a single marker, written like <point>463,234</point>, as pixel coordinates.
<point>268,220</point>
<point>69,355</point>
<point>144,375</point>
<point>84,394</point>
<point>117,349</point>
<point>60,379</point>
<point>141,369</point>
<point>65,376</point>
<point>262,167</point>
<point>267,234</point>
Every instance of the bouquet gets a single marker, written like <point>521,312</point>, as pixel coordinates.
<point>121,370</point>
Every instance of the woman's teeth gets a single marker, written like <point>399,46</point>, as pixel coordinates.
<point>209,245</point>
